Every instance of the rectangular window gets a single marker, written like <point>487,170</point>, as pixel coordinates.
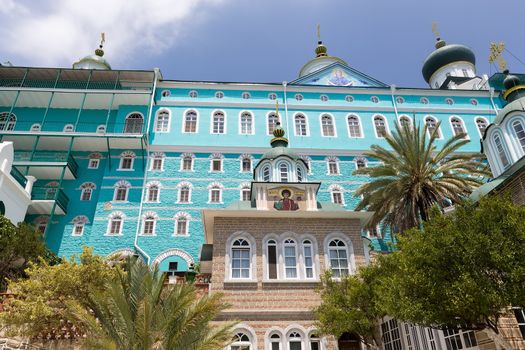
<point>79,229</point>
<point>215,196</point>
<point>153,194</point>
<point>187,163</point>
<point>246,194</point>
<point>172,266</point>
<point>157,164</point>
<point>296,345</point>
<point>115,227</point>
<point>93,163</point>
<point>120,194</point>
<point>126,163</point>
<point>275,346</point>
<point>184,196</point>
<point>246,165</point>
<point>148,227</point>
<point>337,198</point>
<point>290,262</point>
<point>272,262</point>
<point>520,318</point>
<point>391,335</point>
<point>308,261</point>
<point>86,194</point>
<point>333,168</point>
<point>216,165</point>
<point>181,226</point>
<point>240,263</point>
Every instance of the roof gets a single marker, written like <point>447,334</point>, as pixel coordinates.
<point>445,55</point>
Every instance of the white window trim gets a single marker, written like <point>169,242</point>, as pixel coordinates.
<point>225,122</point>
<point>90,194</point>
<point>143,224</point>
<point>307,123</point>
<point>36,127</point>
<point>179,188</point>
<point>333,124</point>
<point>93,159</point>
<point>193,92</point>
<point>249,331</point>
<point>110,219</point>
<point>486,121</point>
<point>511,140</point>
<point>82,224</point>
<point>122,157</point>
<point>175,227</point>
<point>244,186</point>
<point>440,132</point>
<point>184,155</point>
<point>327,160</point>
<point>246,93</point>
<point>184,121</point>
<point>148,186</point>
<point>125,122</point>
<point>216,156</point>
<point>387,128</point>
<point>218,93</point>
<point>360,158</point>
<point>157,121</point>
<point>241,159</point>
<point>467,136</point>
<point>240,123</point>
<point>277,170</point>
<point>349,251</point>
<point>157,155</point>
<point>117,185</point>
<point>360,126</point>
<point>411,122</point>
<point>228,257</point>
<point>267,121</point>
<point>69,126</point>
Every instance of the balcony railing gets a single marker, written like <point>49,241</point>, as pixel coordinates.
<point>50,194</point>
<point>17,175</point>
<point>86,124</point>
<point>48,157</point>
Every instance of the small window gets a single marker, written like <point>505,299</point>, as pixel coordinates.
<point>148,227</point>
<point>294,342</point>
<point>7,121</point>
<point>93,163</point>
<point>193,94</point>
<point>153,193</point>
<point>337,197</point>
<point>360,163</point>
<point>121,194</point>
<point>181,225</point>
<point>157,163</point>
<point>86,193</point>
<point>380,126</point>
<point>327,126</point>
<point>400,100</point>
<point>290,258</point>
<point>190,122</point>
<point>275,342</point>
<point>78,229</point>
<point>115,225</point>
<point>162,122</point>
<point>501,151</point>
<point>218,123</point>
<point>333,167</point>
<point>126,161</point>
<point>246,96</point>
<point>246,165</point>
<point>405,121</point>
<point>68,128</point>
<point>134,123</point>
<point>424,100</point>
<point>308,259</point>
<point>216,164</point>
<point>520,133</point>
<point>431,126</point>
<point>101,129</point>
<point>349,98</point>
<point>246,123</point>
<point>184,194</point>
<point>187,163</point>
<point>245,194</point>
<point>374,99</point>
<point>465,72</point>
<point>166,93</point>
<point>374,232</point>
<point>520,319</point>
<point>315,342</point>
<point>354,129</point>
<point>449,101</point>
<point>272,96</point>
<point>272,259</point>
<point>215,194</point>
<point>35,127</point>
<point>457,127</point>
<point>474,102</point>
<point>299,173</point>
<point>299,97</point>
<point>482,126</point>
<point>219,94</point>
<point>283,171</point>
<point>323,98</point>
<point>301,128</point>
<point>266,173</point>
<point>273,119</point>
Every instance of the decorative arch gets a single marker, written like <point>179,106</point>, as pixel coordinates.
<point>115,214</point>
<point>154,183</point>
<point>122,183</point>
<point>246,329</point>
<point>349,248</point>
<point>89,185</point>
<point>162,120</point>
<point>184,184</point>
<point>173,252</point>
<point>228,257</point>
<point>80,219</point>
<point>134,123</point>
<point>215,184</point>
<point>127,154</point>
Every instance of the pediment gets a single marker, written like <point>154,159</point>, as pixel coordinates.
<point>338,74</point>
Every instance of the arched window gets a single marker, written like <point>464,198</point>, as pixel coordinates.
<point>294,341</point>
<point>36,127</point>
<point>152,193</point>
<point>116,222</point>
<point>216,162</point>
<point>266,173</point>
<point>273,119</point>
<point>187,162</point>
<point>121,191</point>
<point>481,123</point>
<point>240,342</point>
<point>246,123</point>
<point>245,193</point>
<point>87,191</point>
<point>162,122</point>
<point>68,128</point>
<point>308,259</point>
<point>405,121</point>
<point>215,193</point>
<point>360,163</point>
<point>157,161</point>
<point>148,226</point>
<point>240,259</point>
<point>190,121</point>
<point>134,123</point>
<point>520,133</point>
<point>336,193</point>
<point>271,247</point>
<point>78,225</point>
<point>333,166</point>
<point>275,342</point>
<point>299,172</point>
<point>126,160</point>
<point>432,126</point>
<point>218,123</point>
<point>457,127</point>
<point>101,129</point>
<point>501,151</point>
<point>290,258</point>
<point>7,121</point>
<point>283,171</point>
<point>338,256</point>
<point>300,125</point>
<point>246,164</point>
<point>327,125</point>
<point>184,193</point>
<point>380,126</point>
<point>354,129</point>
<point>181,224</point>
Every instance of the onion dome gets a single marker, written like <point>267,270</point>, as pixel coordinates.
<point>321,60</point>
<point>444,55</point>
<point>514,89</point>
<point>96,61</point>
<point>279,146</point>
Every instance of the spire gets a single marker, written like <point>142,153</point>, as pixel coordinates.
<point>99,52</point>
<point>278,133</point>
<point>320,50</point>
<point>96,61</point>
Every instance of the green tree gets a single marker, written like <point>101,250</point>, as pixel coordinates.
<point>19,246</point>
<point>137,311</point>
<point>414,175</point>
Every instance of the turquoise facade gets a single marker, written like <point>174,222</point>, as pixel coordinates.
<point>61,159</point>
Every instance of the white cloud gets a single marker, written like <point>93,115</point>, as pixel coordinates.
<point>61,31</point>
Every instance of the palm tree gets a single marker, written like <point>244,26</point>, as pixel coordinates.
<point>414,175</point>
<point>137,311</point>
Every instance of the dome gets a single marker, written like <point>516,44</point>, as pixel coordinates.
<point>280,151</point>
<point>96,61</point>
<point>446,54</point>
<point>321,60</point>
<point>510,80</point>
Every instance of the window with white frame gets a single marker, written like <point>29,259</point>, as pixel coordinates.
<point>87,191</point>
<point>338,257</point>
<point>290,258</point>
<point>517,126</point>
<point>520,319</point>
<point>162,122</point>
<point>327,125</point>
<point>245,193</point>
<point>246,164</point>
<point>400,100</point>
<point>184,193</point>
<point>116,222</point>
<point>299,173</point>
<point>68,128</point>
<point>190,122</point>
<point>272,96</point>
<point>246,123</point>
<point>501,151</point>
<point>457,127</point>
<point>7,121</point>
<point>101,129</point>
<point>337,196</point>
<point>295,341</point>
<point>432,126</point>
<point>216,163</point>
<point>360,163</point>
<point>133,123</point>
<point>308,259</point>
<point>380,126</point>
<point>449,101</point>
<point>271,247</point>
<point>157,161</point>
<point>193,94</point>
<point>218,123</point>
<point>36,127</point>
<point>315,342</point>
<point>273,119</point>
<point>354,129</point>
<point>391,335</point>
<point>301,128</point>
<point>246,96</point>
<point>275,341</point>
<point>240,259</point>
<point>153,192</point>
<point>126,160</point>
<point>215,193</point>
<point>219,94</point>
<point>181,224</point>
<point>405,122</point>
<point>266,173</point>
<point>121,191</point>
<point>148,224</point>
<point>333,166</point>
<point>284,172</point>
<point>482,126</point>
<point>298,97</point>
<point>93,162</point>
<point>456,339</point>
<point>41,224</point>
<point>187,163</point>
<point>78,225</point>
<point>374,99</point>
<point>241,341</point>
<point>308,161</point>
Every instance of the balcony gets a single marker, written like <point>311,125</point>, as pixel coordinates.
<point>17,175</point>
<point>44,198</point>
<point>46,165</point>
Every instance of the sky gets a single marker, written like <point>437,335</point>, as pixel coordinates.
<point>257,40</point>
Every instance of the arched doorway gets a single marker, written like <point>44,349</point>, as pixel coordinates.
<point>348,341</point>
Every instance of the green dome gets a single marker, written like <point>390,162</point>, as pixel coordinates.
<point>444,55</point>
<point>277,152</point>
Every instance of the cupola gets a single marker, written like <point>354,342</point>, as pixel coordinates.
<point>321,60</point>
<point>96,61</point>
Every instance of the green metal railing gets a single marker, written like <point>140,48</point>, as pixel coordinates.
<point>17,175</point>
<point>43,156</point>
<point>51,193</point>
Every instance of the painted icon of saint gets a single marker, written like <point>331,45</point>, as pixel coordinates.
<point>338,79</point>
<point>286,203</point>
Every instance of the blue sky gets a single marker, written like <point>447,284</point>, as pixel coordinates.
<point>258,41</point>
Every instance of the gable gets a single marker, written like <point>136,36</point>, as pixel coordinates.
<point>337,74</point>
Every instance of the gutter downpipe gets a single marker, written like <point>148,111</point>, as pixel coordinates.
<point>491,90</point>
<point>136,243</point>
<point>392,91</point>
<point>286,113</point>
